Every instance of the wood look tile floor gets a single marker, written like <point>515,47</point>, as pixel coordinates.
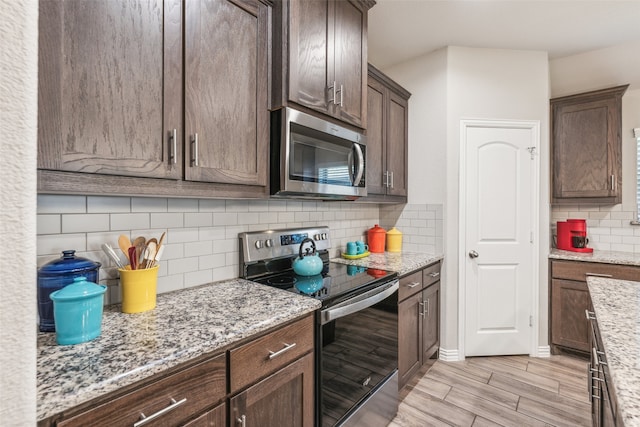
<point>509,391</point>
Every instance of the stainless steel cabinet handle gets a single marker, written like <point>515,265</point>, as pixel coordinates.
<point>391,173</point>
<point>613,183</point>
<point>606,276</point>
<point>333,89</point>
<point>173,150</point>
<point>242,420</point>
<point>385,178</point>
<point>287,347</point>
<point>194,150</point>
<point>428,306</point>
<point>421,308</point>
<point>434,274</point>
<point>412,285</point>
<point>173,405</point>
<point>473,254</point>
<point>590,315</point>
<point>341,95</point>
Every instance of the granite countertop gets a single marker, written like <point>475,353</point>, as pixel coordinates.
<point>605,257</point>
<point>400,262</point>
<point>617,307</point>
<point>184,325</point>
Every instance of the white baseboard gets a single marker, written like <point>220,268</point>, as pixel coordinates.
<point>449,355</point>
<point>543,351</point>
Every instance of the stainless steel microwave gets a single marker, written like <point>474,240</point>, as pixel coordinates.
<point>316,159</point>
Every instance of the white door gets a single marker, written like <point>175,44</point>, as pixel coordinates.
<point>498,228</point>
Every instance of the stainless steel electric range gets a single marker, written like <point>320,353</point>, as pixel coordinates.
<point>356,329</point>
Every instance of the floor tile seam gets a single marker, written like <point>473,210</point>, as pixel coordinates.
<point>542,420</point>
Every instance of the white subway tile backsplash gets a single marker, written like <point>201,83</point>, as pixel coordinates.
<point>84,223</point>
<point>49,224</point>
<point>103,204</point>
<point>148,204</point>
<point>129,221</point>
<point>202,235</point>
<point>167,220</point>
<point>50,204</point>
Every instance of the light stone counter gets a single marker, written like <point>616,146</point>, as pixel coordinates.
<point>605,257</point>
<point>400,262</point>
<point>184,325</point>
<point>617,307</point>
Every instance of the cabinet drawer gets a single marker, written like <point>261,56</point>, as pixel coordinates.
<point>431,274</point>
<point>409,285</point>
<point>580,270</point>
<point>193,390</point>
<point>266,355</point>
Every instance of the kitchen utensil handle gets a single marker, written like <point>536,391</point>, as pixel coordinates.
<point>194,150</point>
<point>173,150</point>
<point>242,421</point>
<point>287,347</point>
<point>360,169</point>
<point>173,405</point>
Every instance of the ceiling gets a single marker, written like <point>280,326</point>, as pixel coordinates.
<point>403,29</point>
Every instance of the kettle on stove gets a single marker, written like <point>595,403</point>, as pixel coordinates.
<point>307,263</point>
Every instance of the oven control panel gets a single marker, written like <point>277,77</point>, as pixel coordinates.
<point>268,244</point>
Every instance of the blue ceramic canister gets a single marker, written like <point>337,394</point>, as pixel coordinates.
<point>77,310</point>
<point>57,274</point>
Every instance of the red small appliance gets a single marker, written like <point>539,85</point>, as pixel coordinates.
<point>572,235</point>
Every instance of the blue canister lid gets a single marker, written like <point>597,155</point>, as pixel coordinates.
<point>67,263</point>
<point>80,288</point>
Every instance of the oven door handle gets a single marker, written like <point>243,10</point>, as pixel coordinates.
<point>359,303</point>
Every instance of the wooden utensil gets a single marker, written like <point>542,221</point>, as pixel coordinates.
<point>124,243</point>
<point>150,254</point>
<point>139,243</point>
<point>133,260</point>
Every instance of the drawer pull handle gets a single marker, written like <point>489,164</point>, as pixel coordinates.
<point>434,274</point>
<point>287,347</point>
<point>412,284</point>
<point>606,276</point>
<point>590,315</point>
<point>242,420</point>
<point>173,405</point>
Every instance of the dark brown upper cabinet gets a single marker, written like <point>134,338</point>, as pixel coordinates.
<point>586,147</point>
<point>320,57</point>
<point>124,110</point>
<point>387,139</point>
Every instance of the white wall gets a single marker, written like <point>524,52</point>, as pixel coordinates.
<point>609,226</point>
<point>478,83</point>
<point>18,125</point>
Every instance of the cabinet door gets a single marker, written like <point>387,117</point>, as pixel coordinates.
<point>409,338</point>
<point>308,54</point>
<point>397,145</point>
<point>376,137</point>
<point>569,325</point>
<point>226,85</point>
<point>431,327</point>
<point>110,87</point>
<point>349,56</point>
<point>283,399</point>
<point>215,417</point>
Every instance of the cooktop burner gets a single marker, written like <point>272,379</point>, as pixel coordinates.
<point>337,281</point>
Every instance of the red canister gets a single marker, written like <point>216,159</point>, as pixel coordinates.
<point>376,238</point>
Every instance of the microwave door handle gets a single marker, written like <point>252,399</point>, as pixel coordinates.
<point>360,169</point>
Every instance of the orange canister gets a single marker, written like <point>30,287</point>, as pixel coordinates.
<point>394,240</point>
<point>376,237</point>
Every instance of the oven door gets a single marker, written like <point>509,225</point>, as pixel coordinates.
<point>317,159</point>
<point>359,359</point>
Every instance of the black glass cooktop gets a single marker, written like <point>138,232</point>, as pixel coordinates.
<point>335,283</point>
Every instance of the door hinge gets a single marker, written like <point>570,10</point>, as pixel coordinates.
<point>532,151</point>
<point>531,321</point>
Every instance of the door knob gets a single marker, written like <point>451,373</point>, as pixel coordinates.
<point>473,254</point>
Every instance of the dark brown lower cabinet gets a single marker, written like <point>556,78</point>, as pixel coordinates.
<point>418,321</point>
<point>569,298</point>
<point>213,418</point>
<point>283,399</point>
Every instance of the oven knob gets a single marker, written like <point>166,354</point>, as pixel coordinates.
<point>317,237</point>
<point>324,236</point>
<point>268,243</point>
<point>258,244</point>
